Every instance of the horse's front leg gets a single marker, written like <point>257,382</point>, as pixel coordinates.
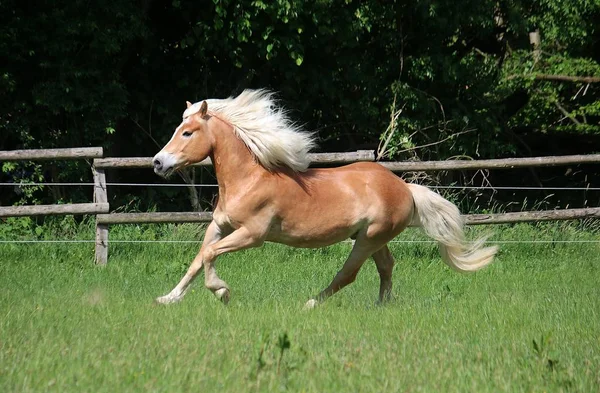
<point>239,239</point>
<point>212,235</point>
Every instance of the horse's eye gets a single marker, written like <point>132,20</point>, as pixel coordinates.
<point>186,134</point>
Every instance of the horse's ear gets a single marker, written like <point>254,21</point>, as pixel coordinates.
<point>188,104</point>
<point>203,108</point>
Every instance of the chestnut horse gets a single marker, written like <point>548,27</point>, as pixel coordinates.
<point>266,193</point>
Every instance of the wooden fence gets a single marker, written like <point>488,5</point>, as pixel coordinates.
<point>100,206</point>
<point>97,207</point>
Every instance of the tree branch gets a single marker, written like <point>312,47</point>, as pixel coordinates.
<point>559,78</point>
<point>566,113</point>
<point>438,142</point>
<point>568,78</point>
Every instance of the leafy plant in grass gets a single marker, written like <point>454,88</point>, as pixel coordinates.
<point>543,353</point>
<point>270,362</point>
<point>546,361</point>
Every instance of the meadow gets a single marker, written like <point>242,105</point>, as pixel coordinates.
<point>528,323</point>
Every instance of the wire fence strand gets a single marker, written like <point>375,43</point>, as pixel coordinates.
<point>110,184</point>
<point>345,241</point>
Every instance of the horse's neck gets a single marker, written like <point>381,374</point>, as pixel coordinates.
<point>234,164</point>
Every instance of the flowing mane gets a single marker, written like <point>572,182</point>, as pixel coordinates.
<point>264,127</point>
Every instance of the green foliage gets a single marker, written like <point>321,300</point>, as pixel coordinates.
<point>63,63</point>
<point>17,228</point>
<point>116,74</point>
<point>488,81</point>
<point>554,106</point>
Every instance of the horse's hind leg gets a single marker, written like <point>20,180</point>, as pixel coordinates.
<point>359,254</point>
<point>385,265</point>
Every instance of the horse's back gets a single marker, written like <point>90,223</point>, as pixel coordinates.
<point>365,180</point>
<point>332,204</point>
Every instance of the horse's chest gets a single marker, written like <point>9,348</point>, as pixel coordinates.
<point>235,209</point>
<point>225,220</point>
<point>220,218</point>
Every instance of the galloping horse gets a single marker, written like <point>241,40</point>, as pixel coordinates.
<point>266,193</point>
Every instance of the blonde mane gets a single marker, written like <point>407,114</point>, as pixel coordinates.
<point>264,127</point>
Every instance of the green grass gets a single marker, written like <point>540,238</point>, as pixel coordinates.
<point>528,323</point>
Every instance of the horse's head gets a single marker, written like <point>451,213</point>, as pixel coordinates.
<point>192,141</point>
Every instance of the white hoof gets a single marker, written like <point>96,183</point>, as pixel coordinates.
<point>223,295</point>
<point>312,303</point>
<point>166,300</point>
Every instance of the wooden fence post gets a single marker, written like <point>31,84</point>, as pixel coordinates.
<point>100,196</point>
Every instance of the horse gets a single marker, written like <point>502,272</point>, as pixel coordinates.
<point>268,193</point>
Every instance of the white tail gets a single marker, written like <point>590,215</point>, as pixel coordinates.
<point>442,221</point>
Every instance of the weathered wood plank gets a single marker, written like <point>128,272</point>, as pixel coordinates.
<point>532,216</point>
<point>470,219</point>
<point>101,252</point>
<point>400,166</point>
<point>51,154</point>
<point>53,210</point>
<point>133,162</point>
<point>139,218</point>
<point>100,196</point>
<point>342,158</point>
<point>100,192</point>
<point>501,163</point>
<point>316,158</point>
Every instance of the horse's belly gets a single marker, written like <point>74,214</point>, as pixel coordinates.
<point>312,236</point>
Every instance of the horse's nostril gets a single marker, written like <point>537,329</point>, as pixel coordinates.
<point>157,164</point>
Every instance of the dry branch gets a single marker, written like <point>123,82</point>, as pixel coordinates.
<point>558,78</point>
<point>568,78</point>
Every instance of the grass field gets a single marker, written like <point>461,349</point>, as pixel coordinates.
<point>528,323</point>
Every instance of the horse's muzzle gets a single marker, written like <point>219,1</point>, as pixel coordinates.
<point>158,165</point>
<point>164,164</point>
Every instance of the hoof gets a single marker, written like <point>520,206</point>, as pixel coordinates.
<point>223,295</point>
<point>165,300</point>
<point>312,303</point>
<point>384,300</point>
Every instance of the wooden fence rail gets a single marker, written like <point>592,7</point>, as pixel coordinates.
<point>53,210</point>
<point>534,216</point>
<point>316,159</point>
<point>403,166</point>
<point>470,219</point>
<point>51,154</point>
<point>153,218</point>
<point>501,163</point>
<point>100,206</point>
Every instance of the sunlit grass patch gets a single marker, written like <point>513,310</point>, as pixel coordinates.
<point>529,322</point>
